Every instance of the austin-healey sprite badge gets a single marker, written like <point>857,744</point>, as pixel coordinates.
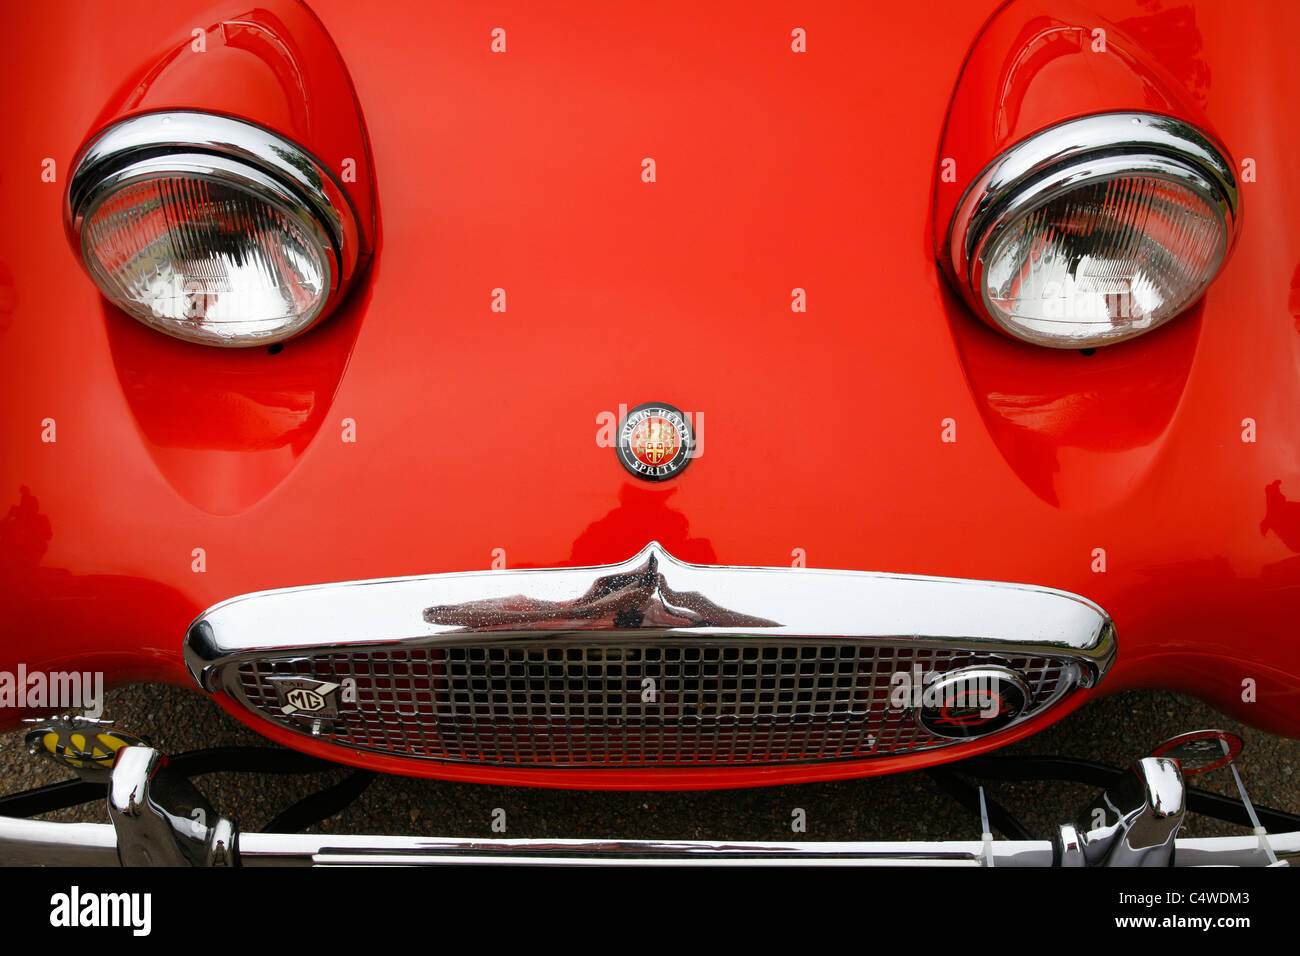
<point>655,441</point>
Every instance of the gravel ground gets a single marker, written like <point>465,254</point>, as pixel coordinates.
<point>1113,730</point>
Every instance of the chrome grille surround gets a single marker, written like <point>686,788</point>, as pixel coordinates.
<point>649,663</point>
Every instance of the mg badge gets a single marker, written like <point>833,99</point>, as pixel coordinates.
<point>655,441</point>
<point>302,696</point>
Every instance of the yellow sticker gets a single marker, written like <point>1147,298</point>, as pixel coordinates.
<point>75,750</point>
<point>114,744</point>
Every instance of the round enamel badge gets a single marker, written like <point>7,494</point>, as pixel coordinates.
<point>972,701</point>
<point>655,441</point>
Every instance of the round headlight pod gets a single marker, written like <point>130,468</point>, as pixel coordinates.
<point>1095,230</point>
<point>210,229</point>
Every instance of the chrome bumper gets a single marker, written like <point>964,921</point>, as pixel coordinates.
<point>37,843</point>
<point>159,818</point>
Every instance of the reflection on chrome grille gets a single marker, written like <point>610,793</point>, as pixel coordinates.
<point>686,704</point>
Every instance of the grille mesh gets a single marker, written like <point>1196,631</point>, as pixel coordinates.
<point>629,706</point>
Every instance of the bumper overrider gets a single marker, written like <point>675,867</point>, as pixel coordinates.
<point>652,665</point>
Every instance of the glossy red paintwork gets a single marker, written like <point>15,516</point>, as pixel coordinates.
<point>476,430</point>
<point>274,65</point>
<point>1034,66</point>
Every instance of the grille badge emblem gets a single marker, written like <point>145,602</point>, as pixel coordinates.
<point>972,702</point>
<point>306,697</point>
<point>655,441</point>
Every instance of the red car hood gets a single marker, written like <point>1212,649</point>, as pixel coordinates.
<point>181,476</point>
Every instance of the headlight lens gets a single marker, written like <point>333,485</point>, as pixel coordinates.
<point>1085,246</point>
<point>206,260</point>
<point>225,234</point>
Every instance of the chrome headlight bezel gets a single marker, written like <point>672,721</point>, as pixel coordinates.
<point>234,152</point>
<point>1085,151</point>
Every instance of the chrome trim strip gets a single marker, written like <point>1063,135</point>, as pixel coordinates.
<point>652,595</point>
<point>308,849</point>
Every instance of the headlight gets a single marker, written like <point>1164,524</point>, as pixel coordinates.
<point>211,229</point>
<point>1095,230</point>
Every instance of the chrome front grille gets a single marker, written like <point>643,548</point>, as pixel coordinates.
<point>647,663</point>
<point>684,703</point>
